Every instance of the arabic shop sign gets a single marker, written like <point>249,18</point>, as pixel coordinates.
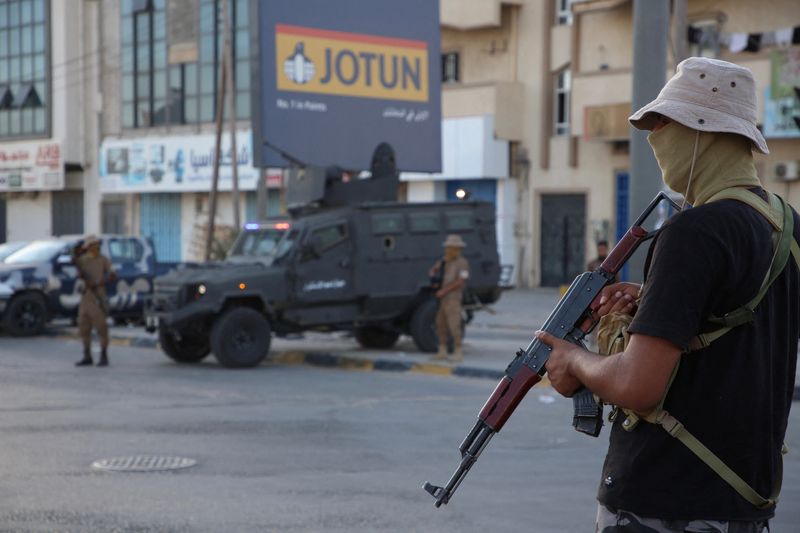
<point>174,164</point>
<point>338,78</point>
<point>31,167</point>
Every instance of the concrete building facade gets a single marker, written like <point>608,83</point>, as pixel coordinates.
<point>106,123</point>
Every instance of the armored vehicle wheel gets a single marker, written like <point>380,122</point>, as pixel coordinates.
<point>26,315</point>
<point>186,350</point>
<point>240,338</point>
<point>375,337</point>
<point>423,326</point>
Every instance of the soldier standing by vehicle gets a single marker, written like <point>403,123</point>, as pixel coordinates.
<point>95,269</point>
<point>453,271</point>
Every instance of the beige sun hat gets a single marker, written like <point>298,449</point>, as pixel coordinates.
<point>454,240</point>
<point>707,95</point>
<point>90,240</point>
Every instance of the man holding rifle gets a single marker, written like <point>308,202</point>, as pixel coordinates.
<point>704,384</point>
<point>96,270</point>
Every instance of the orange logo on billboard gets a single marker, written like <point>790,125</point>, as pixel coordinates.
<point>350,64</point>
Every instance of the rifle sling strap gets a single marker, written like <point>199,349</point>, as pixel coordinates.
<point>780,216</point>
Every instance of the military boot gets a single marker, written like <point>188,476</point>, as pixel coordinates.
<point>458,355</point>
<point>103,358</point>
<point>87,359</point>
<point>441,355</point>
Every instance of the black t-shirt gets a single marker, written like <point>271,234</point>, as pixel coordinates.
<point>735,395</point>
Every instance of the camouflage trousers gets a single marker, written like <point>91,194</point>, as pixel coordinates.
<point>91,316</point>
<point>627,522</point>
<point>448,321</point>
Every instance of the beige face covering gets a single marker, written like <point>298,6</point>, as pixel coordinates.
<point>700,164</point>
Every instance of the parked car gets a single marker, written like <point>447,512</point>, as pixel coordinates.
<point>8,248</point>
<point>39,282</point>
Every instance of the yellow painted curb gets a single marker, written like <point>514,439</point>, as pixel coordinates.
<point>351,363</point>
<point>429,368</point>
<point>288,358</point>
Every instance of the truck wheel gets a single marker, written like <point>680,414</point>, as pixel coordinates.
<point>423,326</point>
<point>26,315</point>
<point>240,338</point>
<point>375,337</point>
<point>185,350</point>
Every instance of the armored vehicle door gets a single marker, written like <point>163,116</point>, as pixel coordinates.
<point>323,271</point>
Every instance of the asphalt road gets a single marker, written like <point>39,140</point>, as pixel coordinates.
<point>285,449</point>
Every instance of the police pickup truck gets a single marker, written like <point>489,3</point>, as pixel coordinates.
<point>350,257</point>
<point>39,282</point>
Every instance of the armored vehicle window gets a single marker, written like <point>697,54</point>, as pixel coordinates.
<point>424,222</point>
<point>285,244</point>
<point>383,223</point>
<point>460,221</point>
<point>257,243</point>
<point>329,236</point>
<point>125,250</point>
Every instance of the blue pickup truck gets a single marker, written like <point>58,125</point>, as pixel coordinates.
<point>39,281</point>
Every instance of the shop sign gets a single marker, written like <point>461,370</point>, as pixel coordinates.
<point>31,166</point>
<point>175,164</point>
<point>782,98</point>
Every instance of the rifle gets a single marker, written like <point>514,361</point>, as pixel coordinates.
<point>571,320</point>
<point>101,302</point>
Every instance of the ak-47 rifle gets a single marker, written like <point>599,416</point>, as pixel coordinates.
<point>572,319</point>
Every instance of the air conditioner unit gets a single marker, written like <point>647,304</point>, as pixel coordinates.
<point>786,170</point>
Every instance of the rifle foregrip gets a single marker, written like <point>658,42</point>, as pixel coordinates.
<point>588,417</point>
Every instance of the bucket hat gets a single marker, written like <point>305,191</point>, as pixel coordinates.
<point>90,240</point>
<point>707,95</point>
<point>454,240</point>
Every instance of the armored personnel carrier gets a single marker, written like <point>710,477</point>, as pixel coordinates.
<point>349,257</point>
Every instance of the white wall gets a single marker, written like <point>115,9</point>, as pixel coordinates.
<point>28,216</point>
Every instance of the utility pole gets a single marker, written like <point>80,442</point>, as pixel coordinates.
<point>222,78</point>
<point>650,30</point>
<point>231,88</point>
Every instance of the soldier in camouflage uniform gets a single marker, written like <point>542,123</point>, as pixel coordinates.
<point>96,270</point>
<point>454,272</point>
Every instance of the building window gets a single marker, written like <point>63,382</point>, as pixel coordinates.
<point>563,12</point>
<point>703,36</point>
<point>156,93</point>
<point>561,111</point>
<point>24,68</point>
<point>450,71</point>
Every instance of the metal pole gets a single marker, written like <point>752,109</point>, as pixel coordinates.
<point>231,90</point>
<point>680,23</point>
<point>650,30</point>
<point>212,197</point>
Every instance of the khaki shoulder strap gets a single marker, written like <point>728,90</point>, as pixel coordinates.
<point>780,216</point>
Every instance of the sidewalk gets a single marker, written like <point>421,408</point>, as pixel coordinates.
<point>489,344</point>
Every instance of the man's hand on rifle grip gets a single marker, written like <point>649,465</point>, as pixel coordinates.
<point>618,298</point>
<point>559,363</point>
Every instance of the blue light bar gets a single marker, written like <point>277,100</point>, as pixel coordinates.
<point>252,225</point>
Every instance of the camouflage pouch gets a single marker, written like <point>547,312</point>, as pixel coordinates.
<point>612,333</point>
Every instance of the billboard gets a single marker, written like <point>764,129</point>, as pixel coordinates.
<point>174,164</point>
<point>332,80</point>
